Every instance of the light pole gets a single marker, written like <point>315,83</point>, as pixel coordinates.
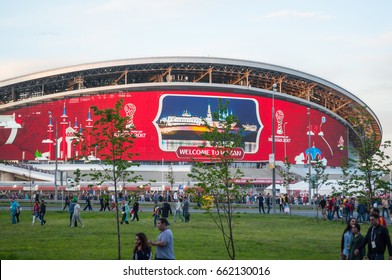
<point>390,188</point>
<point>309,161</point>
<point>56,156</point>
<point>31,193</point>
<point>62,190</point>
<point>272,159</point>
<point>284,139</point>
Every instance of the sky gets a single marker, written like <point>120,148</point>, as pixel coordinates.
<point>348,43</point>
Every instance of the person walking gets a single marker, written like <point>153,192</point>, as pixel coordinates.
<point>355,242</point>
<point>71,211</point>
<point>336,208</point>
<point>268,202</point>
<point>260,198</point>
<point>377,238</point>
<point>165,242</point>
<point>106,203</point>
<point>166,209</point>
<point>156,212</point>
<point>18,210</point>
<point>361,210</point>
<point>13,209</point>
<point>185,210</point>
<point>124,212</point>
<point>280,201</point>
<point>385,206</point>
<point>135,208</point>
<point>323,206</point>
<point>142,249</point>
<point>347,237</point>
<point>35,212</point>
<point>178,211</point>
<point>42,212</point>
<point>76,214</point>
<point>101,203</point>
<point>88,203</point>
<point>66,202</point>
<point>330,208</point>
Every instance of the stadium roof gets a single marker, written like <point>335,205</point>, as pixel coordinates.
<point>189,73</point>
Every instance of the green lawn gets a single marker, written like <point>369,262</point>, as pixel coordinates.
<point>258,237</point>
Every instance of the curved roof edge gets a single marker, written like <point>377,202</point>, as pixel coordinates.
<point>191,59</point>
<point>174,86</point>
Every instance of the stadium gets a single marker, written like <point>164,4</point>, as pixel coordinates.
<point>167,99</point>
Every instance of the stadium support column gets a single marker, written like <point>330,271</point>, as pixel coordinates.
<point>272,156</point>
<point>89,127</point>
<point>56,155</point>
<point>284,131</point>
<point>64,123</point>
<point>50,137</point>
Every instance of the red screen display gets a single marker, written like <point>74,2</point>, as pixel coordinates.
<point>168,125</point>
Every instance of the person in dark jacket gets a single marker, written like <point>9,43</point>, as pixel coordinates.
<point>42,211</point>
<point>165,210</point>
<point>142,249</point>
<point>361,209</point>
<point>377,238</point>
<point>88,203</point>
<point>260,198</point>
<point>135,209</point>
<point>66,202</point>
<point>355,242</point>
<point>101,203</point>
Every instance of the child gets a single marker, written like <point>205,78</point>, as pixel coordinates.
<point>76,213</point>
<point>36,212</point>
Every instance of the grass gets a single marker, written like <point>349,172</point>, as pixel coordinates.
<point>257,237</point>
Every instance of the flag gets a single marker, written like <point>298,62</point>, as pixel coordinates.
<point>38,154</point>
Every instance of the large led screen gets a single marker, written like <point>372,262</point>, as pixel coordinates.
<point>169,126</point>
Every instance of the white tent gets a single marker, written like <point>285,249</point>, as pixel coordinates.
<point>278,187</point>
<point>324,189</point>
<point>302,186</point>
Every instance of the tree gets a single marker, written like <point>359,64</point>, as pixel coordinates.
<point>113,137</point>
<point>364,172</point>
<point>287,176</point>
<point>216,176</point>
<point>78,175</point>
<point>170,176</point>
<point>317,180</point>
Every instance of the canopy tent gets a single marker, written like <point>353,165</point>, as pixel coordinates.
<point>302,186</point>
<point>324,189</point>
<point>280,189</point>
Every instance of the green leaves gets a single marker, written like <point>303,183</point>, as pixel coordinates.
<point>216,177</point>
<point>113,140</point>
<point>364,172</point>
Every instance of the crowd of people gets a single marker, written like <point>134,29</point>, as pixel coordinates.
<point>339,207</point>
<point>38,212</point>
<point>354,245</point>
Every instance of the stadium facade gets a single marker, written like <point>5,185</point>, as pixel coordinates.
<point>167,99</point>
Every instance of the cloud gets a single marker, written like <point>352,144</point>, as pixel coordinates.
<point>47,33</point>
<point>291,14</point>
<point>382,40</point>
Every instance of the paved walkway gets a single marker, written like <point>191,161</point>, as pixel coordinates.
<point>303,210</point>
